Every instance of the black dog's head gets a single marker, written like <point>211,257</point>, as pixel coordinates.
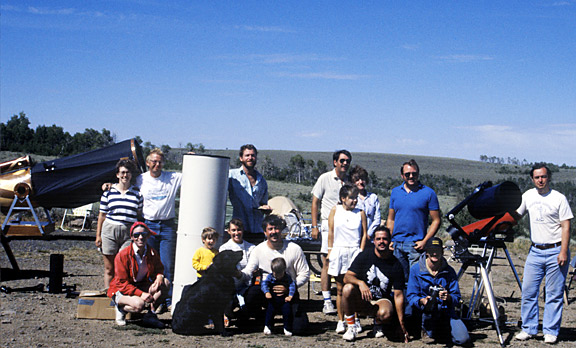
<point>225,262</point>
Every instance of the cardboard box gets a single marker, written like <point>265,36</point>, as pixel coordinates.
<point>94,304</point>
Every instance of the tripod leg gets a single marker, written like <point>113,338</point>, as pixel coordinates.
<point>492,301</point>
<point>513,268</point>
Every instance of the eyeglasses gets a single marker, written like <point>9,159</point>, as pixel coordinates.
<point>124,172</point>
<point>344,160</point>
<point>139,234</point>
<point>155,162</point>
<point>410,174</point>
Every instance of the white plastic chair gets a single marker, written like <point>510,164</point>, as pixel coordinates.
<point>80,212</point>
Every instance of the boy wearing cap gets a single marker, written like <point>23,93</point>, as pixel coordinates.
<point>139,281</point>
<point>433,291</point>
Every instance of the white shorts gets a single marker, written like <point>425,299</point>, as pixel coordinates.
<point>340,259</point>
<point>324,236</point>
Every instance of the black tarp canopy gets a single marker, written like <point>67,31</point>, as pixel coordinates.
<point>77,180</point>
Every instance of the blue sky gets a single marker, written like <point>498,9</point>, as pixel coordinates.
<point>446,78</point>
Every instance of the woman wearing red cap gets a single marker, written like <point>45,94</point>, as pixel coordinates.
<point>139,281</point>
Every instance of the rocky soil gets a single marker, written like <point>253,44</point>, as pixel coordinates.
<point>42,319</point>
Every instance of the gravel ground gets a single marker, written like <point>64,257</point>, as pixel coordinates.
<point>41,319</point>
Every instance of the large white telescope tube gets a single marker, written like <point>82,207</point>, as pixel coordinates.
<point>202,204</point>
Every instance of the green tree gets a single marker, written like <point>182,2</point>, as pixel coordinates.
<point>16,135</point>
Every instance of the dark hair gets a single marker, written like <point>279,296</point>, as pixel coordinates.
<point>209,232</point>
<point>347,190</point>
<point>411,163</point>
<point>278,265</point>
<point>358,173</point>
<point>247,147</point>
<point>336,155</point>
<point>128,164</point>
<point>540,165</point>
<point>273,220</point>
<point>383,228</point>
<point>237,222</point>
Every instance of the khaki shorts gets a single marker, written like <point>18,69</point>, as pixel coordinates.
<point>114,237</point>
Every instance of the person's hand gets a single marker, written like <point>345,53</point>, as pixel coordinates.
<point>314,233</point>
<point>98,241</point>
<point>280,290</point>
<point>562,258</point>
<point>147,297</point>
<point>106,186</point>
<point>403,333</point>
<point>424,300</point>
<point>268,295</point>
<point>365,291</point>
<point>443,295</point>
<point>288,298</point>
<point>391,246</point>
<point>328,255</point>
<point>419,245</point>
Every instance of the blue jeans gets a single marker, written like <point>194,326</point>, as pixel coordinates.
<point>435,326</point>
<point>407,255</point>
<point>542,264</point>
<point>165,243</point>
<point>277,304</point>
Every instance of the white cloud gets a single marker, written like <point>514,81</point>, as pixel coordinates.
<point>271,29</point>
<point>323,76</point>
<point>465,58</point>
<point>311,134</point>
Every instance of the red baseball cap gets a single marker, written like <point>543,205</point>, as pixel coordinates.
<point>138,223</point>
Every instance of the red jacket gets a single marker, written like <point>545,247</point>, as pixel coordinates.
<point>126,270</point>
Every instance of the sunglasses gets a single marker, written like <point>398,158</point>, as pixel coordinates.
<point>140,234</point>
<point>410,174</point>
<point>344,160</point>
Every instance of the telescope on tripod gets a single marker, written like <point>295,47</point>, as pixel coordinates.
<point>495,207</point>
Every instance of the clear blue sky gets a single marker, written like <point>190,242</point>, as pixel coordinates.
<point>442,78</point>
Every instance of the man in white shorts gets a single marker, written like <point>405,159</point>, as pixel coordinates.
<point>326,192</point>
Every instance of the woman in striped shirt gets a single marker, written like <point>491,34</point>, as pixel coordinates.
<point>119,209</point>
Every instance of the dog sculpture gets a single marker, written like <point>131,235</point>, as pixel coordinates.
<point>208,298</point>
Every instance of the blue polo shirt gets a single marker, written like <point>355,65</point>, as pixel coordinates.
<point>411,212</point>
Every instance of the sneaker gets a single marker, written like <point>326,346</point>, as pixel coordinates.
<point>378,330</point>
<point>161,309</point>
<point>523,336</point>
<point>358,325</point>
<point>350,334</point>
<point>151,320</point>
<point>267,331</point>
<point>550,338</point>
<point>341,327</point>
<point>120,317</point>
<point>328,308</point>
<point>287,333</point>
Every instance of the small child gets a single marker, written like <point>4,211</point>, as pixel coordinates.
<point>277,303</point>
<point>203,256</point>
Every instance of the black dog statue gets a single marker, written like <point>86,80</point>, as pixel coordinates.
<point>208,298</point>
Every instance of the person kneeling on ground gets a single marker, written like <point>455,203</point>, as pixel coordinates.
<point>433,291</point>
<point>139,282</point>
<point>368,288</point>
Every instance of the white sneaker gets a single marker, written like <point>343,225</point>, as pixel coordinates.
<point>378,330</point>
<point>550,338</point>
<point>350,334</point>
<point>358,325</point>
<point>120,317</point>
<point>523,336</point>
<point>267,331</point>
<point>341,327</point>
<point>328,308</point>
<point>287,333</point>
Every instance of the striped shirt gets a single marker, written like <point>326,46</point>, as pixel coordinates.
<point>121,208</point>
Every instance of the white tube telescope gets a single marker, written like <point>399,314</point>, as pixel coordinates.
<point>202,204</point>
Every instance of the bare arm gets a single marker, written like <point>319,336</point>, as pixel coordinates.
<point>390,224</point>
<point>331,230</point>
<point>101,218</point>
<point>364,230</point>
<point>563,256</point>
<point>432,229</point>
<point>315,204</point>
<point>351,278</point>
<point>399,305</point>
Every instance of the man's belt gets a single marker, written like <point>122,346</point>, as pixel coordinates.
<point>546,246</point>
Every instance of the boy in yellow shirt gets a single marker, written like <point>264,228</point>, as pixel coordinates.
<point>203,256</point>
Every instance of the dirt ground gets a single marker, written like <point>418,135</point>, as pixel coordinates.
<point>41,319</point>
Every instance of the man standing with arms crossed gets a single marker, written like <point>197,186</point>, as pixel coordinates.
<point>550,217</point>
<point>410,205</point>
<point>326,192</point>
<point>248,193</point>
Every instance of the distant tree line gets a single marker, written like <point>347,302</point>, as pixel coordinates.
<point>17,136</point>
<point>515,161</point>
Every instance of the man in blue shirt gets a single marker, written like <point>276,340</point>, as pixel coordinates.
<point>410,205</point>
<point>248,193</point>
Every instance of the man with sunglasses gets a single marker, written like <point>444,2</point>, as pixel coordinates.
<point>411,204</point>
<point>326,193</point>
<point>138,282</point>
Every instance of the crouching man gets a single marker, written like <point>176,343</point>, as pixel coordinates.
<point>433,291</point>
<point>139,282</point>
<point>368,287</point>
